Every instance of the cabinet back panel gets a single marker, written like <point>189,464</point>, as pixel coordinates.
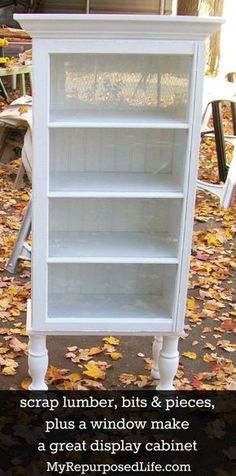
<point>117,150</point>
<point>127,215</point>
<point>124,82</point>
<point>110,278</point>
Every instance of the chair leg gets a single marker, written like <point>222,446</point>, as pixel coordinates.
<point>21,249</point>
<point>3,91</point>
<point>19,177</point>
<point>22,84</point>
<point>219,138</point>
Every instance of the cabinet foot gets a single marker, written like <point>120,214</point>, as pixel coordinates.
<point>156,349</point>
<point>168,362</point>
<point>38,362</point>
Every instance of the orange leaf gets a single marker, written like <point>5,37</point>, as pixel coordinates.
<point>95,351</point>
<point>26,383</point>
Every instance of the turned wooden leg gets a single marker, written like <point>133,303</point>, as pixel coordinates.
<point>156,349</point>
<point>38,362</point>
<point>168,362</point>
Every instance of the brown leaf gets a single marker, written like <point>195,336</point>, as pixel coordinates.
<point>56,375</point>
<point>127,379</point>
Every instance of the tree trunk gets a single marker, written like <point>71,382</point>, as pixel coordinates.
<point>188,7</point>
<point>215,8</point>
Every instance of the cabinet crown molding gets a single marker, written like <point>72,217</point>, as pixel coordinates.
<point>119,26</point>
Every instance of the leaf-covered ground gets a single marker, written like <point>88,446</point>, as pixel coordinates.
<point>207,349</point>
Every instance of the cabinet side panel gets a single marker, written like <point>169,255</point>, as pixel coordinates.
<point>40,182</point>
<point>188,216</point>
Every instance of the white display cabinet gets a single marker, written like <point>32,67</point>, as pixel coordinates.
<point>117,116</point>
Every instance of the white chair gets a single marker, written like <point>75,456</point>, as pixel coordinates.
<point>217,91</point>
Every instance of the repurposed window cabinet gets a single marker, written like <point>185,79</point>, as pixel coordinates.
<point>116,126</point>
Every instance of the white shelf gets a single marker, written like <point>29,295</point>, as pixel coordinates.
<point>70,118</point>
<point>115,306</point>
<point>113,184</point>
<point>111,247</point>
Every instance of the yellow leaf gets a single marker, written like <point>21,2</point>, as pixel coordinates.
<point>12,290</point>
<point>9,371</point>
<point>190,355</point>
<point>208,358</point>
<point>26,383</point>
<point>111,340</point>
<point>94,372</point>
<point>116,355</point>
<point>191,304</point>
<point>74,377</point>
<point>25,197</point>
<point>4,303</point>
<point>15,313</point>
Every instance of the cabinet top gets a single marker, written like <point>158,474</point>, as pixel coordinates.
<point>119,26</point>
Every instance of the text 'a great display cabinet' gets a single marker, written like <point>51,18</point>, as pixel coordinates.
<point>117,114</point>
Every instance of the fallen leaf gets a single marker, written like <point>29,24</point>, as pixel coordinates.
<point>23,109</point>
<point>74,377</point>
<point>116,355</point>
<point>111,340</point>
<point>190,355</point>
<point>192,304</point>
<point>9,371</point>
<point>94,372</point>
<point>126,379</point>
<point>56,375</point>
<point>210,346</point>
<point>26,383</point>
<point>73,348</point>
<point>95,350</point>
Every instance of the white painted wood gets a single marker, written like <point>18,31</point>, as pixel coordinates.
<point>40,179</point>
<point>168,362</point>
<point>119,221</point>
<point>190,192</point>
<point>38,362</point>
<point>119,26</point>
<point>156,349</point>
<point>117,120</point>
<point>112,161</point>
<point>115,247</point>
<point>114,118</point>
